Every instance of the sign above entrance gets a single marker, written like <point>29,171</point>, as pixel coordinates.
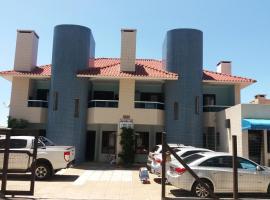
<point>126,122</point>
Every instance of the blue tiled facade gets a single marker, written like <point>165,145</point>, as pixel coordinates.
<point>183,54</point>
<point>72,47</point>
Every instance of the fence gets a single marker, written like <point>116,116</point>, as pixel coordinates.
<point>8,133</point>
<point>205,187</point>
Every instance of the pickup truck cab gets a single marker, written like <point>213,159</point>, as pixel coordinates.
<point>50,158</point>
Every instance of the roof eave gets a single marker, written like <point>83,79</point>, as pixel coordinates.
<point>242,84</point>
<point>127,77</point>
<point>10,76</point>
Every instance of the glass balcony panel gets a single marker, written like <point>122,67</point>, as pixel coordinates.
<point>214,108</point>
<point>38,103</point>
<point>103,103</point>
<point>149,105</point>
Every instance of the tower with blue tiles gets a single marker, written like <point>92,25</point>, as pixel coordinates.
<point>183,54</point>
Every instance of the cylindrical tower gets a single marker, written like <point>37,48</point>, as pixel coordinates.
<point>73,45</point>
<point>183,54</point>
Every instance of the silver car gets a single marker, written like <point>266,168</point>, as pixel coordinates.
<point>215,169</point>
<point>158,150</point>
<point>182,152</point>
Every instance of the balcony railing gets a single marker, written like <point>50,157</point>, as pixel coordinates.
<point>214,108</point>
<point>149,105</point>
<point>103,103</point>
<point>38,103</point>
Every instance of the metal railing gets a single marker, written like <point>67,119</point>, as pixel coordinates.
<point>38,103</point>
<point>214,108</point>
<point>149,105</point>
<point>103,103</point>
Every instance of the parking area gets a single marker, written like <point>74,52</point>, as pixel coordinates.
<point>93,181</point>
<point>102,182</point>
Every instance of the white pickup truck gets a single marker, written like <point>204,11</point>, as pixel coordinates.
<point>50,158</point>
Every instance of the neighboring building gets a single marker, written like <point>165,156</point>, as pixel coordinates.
<point>251,124</point>
<point>260,99</point>
<point>84,101</point>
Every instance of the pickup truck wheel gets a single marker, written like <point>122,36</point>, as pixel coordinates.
<point>43,171</point>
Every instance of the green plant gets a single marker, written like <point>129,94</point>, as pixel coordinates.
<point>17,123</point>
<point>127,142</point>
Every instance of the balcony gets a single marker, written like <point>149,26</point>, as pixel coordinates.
<point>38,103</point>
<point>214,108</point>
<point>103,103</point>
<point>149,105</point>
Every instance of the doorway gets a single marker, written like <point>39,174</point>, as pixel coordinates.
<point>90,145</point>
<point>256,146</point>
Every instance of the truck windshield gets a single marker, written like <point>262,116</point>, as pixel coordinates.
<point>46,141</point>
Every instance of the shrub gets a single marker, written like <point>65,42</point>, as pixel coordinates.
<point>17,123</point>
<point>127,142</point>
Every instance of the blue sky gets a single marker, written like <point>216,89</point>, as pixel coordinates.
<point>233,30</point>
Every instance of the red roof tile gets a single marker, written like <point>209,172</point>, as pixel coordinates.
<point>148,68</point>
<point>44,70</point>
<point>220,77</point>
<point>110,67</point>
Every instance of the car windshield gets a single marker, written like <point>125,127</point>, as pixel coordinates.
<point>46,141</point>
<point>192,158</point>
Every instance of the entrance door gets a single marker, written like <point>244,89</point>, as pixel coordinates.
<point>90,145</point>
<point>256,146</point>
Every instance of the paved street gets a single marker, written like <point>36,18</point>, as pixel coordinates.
<point>99,182</point>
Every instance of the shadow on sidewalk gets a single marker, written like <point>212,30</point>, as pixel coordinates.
<point>55,178</point>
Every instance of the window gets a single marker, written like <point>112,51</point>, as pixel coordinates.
<point>197,105</point>
<point>246,164</point>
<point>268,141</point>
<point>158,138</point>
<point>108,142</point>
<point>42,94</point>
<point>14,144</point>
<point>192,158</point>
<point>175,111</point>
<point>104,95</point>
<point>55,101</point>
<point>46,141</point>
<point>210,138</point>
<point>221,161</point>
<point>76,109</point>
<point>188,153</point>
<point>209,99</point>
<point>141,142</point>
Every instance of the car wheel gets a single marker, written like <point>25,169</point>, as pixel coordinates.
<point>43,171</point>
<point>200,191</point>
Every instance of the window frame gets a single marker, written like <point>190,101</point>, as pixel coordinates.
<point>108,149</point>
<point>12,146</point>
<point>209,95</point>
<point>216,166</point>
<point>143,149</point>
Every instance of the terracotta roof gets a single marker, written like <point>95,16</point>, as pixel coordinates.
<point>220,77</point>
<point>145,68</point>
<point>110,67</point>
<point>44,70</point>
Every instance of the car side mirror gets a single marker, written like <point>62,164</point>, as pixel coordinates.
<point>258,168</point>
